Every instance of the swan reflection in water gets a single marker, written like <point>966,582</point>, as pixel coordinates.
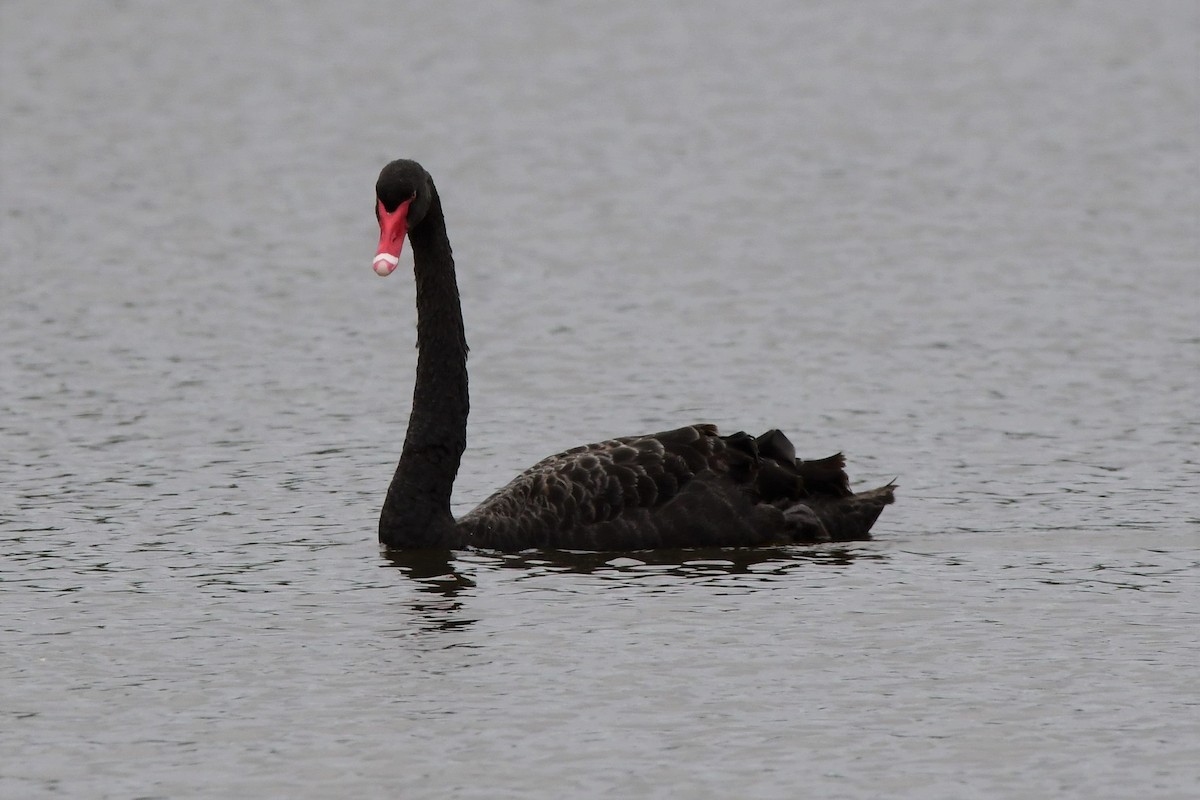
<point>448,572</point>
<point>445,580</point>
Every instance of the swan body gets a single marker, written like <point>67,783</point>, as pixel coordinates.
<point>688,487</point>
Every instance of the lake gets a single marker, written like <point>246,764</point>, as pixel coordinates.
<point>957,241</point>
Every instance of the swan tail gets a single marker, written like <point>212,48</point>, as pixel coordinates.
<point>837,519</point>
<point>814,496</point>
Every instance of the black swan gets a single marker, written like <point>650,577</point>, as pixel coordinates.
<point>690,487</point>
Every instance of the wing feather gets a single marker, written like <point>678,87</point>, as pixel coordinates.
<point>670,488</point>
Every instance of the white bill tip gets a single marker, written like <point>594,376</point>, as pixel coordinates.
<point>384,264</point>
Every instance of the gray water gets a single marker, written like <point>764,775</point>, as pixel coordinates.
<point>956,240</point>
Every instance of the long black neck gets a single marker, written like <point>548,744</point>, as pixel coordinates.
<point>416,513</point>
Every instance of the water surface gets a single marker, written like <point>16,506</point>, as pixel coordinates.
<point>956,241</point>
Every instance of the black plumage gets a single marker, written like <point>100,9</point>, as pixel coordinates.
<point>688,487</point>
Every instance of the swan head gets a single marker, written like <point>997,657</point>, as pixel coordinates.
<point>403,195</point>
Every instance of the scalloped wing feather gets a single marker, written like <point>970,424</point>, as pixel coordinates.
<point>685,487</point>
